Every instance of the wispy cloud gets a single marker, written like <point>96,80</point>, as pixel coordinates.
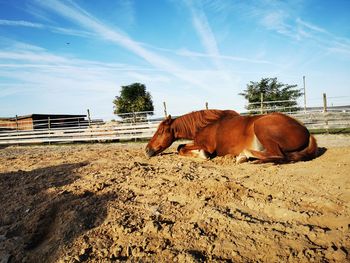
<point>187,53</point>
<point>20,23</point>
<point>83,18</point>
<point>183,52</point>
<point>29,70</point>
<point>278,18</point>
<point>311,26</point>
<point>223,7</point>
<point>55,29</point>
<point>36,12</point>
<point>207,37</point>
<point>276,21</point>
<point>203,29</point>
<point>126,10</point>
<point>10,44</point>
<point>23,55</point>
<point>31,56</point>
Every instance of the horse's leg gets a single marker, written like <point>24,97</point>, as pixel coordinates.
<point>271,153</point>
<point>192,151</point>
<point>244,156</point>
<point>241,158</point>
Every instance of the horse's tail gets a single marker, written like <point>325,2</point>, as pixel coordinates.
<point>308,153</point>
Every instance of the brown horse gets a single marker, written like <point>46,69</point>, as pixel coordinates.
<point>273,137</point>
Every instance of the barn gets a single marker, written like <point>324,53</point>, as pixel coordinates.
<point>42,121</point>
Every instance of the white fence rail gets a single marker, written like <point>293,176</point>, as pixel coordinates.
<point>324,120</point>
<point>100,133</point>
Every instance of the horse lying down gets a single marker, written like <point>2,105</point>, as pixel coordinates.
<point>273,137</point>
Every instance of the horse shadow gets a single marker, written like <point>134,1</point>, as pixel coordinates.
<point>321,151</point>
<point>40,213</point>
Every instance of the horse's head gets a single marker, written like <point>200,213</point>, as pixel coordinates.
<point>162,139</point>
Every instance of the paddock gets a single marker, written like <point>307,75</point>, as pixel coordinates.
<point>109,202</point>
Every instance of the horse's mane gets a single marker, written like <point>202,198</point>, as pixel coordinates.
<point>189,124</point>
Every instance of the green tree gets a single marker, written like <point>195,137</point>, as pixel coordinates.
<point>281,97</point>
<point>133,98</point>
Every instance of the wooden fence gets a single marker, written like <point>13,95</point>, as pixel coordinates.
<point>324,120</point>
<point>99,133</point>
<point>113,131</point>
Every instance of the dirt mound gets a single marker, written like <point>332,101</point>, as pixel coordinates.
<point>108,202</point>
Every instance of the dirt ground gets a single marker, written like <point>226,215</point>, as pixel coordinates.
<point>110,203</point>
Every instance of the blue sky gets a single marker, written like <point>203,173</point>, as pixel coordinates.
<point>69,56</point>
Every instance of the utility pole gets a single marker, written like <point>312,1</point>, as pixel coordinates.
<point>304,94</point>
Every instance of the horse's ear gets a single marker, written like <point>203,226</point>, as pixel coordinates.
<point>168,120</point>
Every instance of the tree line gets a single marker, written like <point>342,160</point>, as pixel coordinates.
<point>135,97</point>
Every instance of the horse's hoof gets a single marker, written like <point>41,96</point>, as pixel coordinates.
<point>241,159</point>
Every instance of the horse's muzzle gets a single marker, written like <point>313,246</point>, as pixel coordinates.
<point>150,152</point>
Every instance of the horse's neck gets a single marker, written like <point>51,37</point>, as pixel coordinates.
<point>186,126</point>
<point>182,130</point>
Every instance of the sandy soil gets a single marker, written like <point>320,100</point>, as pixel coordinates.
<point>108,202</point>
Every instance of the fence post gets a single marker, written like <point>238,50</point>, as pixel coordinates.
<point>133,117</point>
<point>325,111</point>
<point>16,123</point>
<point>324,102</point>
<point>17,126</point>
<point>206,105</point>
<point>304,94</point>
<point>89,118</point>
<point>165,111</point>
<point>261,103</point>
<point>49,127</point>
